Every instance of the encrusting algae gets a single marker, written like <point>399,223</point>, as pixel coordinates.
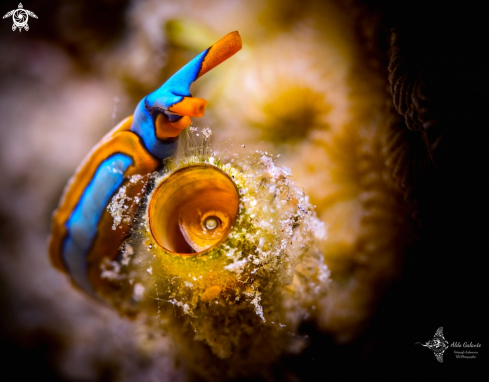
<point>237,284</point>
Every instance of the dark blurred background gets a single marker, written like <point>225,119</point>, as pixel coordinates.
<point>408,76</point>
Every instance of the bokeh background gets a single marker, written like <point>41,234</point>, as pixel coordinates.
<point>379,109</point>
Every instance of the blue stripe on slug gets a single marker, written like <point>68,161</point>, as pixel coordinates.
<point>170,93</point>
<point>178,85</point>
<point>82,225</point>
<point>144,128</point>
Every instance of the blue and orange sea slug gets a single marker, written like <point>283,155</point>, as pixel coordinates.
<point>82,232</point>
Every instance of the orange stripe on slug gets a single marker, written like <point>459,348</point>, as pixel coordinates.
<point>119,140</point>
<point>190,106</point>
<point>74,190</point>
<point>166,129</point>
<point>221,51</point>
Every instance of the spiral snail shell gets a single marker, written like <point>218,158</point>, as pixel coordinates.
<point>227,241</point>
<point>198,206</point>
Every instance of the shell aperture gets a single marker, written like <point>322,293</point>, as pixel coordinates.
<point>195,206</point>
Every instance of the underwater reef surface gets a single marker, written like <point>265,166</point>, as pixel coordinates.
<point>378,109</point>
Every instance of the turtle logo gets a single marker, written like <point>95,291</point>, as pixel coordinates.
<point>20,17</point>
<point>438,344</point>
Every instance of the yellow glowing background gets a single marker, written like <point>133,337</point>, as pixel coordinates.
<point>311,84</point>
